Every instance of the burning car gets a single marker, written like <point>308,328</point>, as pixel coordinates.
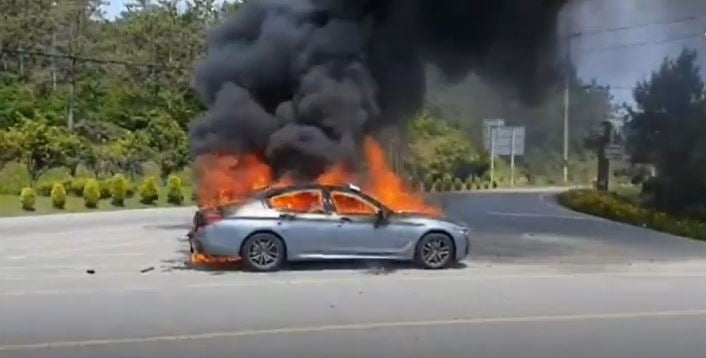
<point>321,222</point>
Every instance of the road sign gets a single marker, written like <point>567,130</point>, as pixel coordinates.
<point>503,140</point>
<point>507,141</point>
<point>488,125</point>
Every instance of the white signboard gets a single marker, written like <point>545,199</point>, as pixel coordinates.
<point>488,124</point>
<point>507,141</point>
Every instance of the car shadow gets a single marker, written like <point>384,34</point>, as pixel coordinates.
<point>370,267</point>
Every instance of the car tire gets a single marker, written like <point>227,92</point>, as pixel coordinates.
<point>435,251</point>
<point>263,252</point>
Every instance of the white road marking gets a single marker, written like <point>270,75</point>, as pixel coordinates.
<point>359,327</point>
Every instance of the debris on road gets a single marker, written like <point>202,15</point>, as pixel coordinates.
<point>90,271</point>
<point>148,269</point>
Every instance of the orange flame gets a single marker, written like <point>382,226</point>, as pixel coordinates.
<point>230,179</point>
<point>386,186</point>
<point>198,258</point>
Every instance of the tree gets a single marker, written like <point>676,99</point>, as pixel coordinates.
<point>438,148</point>
<point>126,154</point>
<point>170,143</point>
<point>42,147</point>
<point>667,128</point>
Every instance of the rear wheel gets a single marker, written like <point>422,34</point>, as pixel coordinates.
<point>263,252</point>
<point>435,251</point>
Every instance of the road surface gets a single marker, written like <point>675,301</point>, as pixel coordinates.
<point>542,282</point>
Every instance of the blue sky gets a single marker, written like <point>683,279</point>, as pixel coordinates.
<point>114,8</point>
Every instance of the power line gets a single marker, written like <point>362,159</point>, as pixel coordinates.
<point>685,37</point>
<point>90,59</point>
<point>640,26</point>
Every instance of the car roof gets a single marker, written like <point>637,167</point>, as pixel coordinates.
<point>270,191</point>
<point>350,188</point>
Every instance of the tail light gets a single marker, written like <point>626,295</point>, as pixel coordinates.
<point>207,217</point>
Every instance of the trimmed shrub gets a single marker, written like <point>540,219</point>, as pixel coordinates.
<point>77,185</point>
<point>149,191</point>
<point>28,198</point>
<point>175,193</point>
<point>119,189</point>
<point>469,183</point>
<point>616,208</point>
<point>458,184</point>
<point>58,196</point>
<point>104,186</point>
<point>91,194</point>
<point>447,184</point>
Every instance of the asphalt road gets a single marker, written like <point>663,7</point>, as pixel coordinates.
<point>541,282</point>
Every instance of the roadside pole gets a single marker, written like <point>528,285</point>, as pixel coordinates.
<point>512,158</point>
<point>492,155</point>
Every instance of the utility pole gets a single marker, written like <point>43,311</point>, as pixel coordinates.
<point>512,158</point>
<point>53,47</point>
<point>567,107</point>
<point>492,155</point>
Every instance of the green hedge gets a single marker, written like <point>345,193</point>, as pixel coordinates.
<point>614,207</point>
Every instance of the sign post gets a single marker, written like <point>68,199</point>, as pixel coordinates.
<point>512,158</point>
<point>499,139</point>
<point>492,155</point>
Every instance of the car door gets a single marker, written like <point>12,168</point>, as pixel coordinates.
<point>305,223</point>
<point>359,232</point>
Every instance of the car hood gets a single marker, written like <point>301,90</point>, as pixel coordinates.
<point>446,219</point>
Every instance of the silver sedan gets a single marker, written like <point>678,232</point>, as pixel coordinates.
<point>316,222</point>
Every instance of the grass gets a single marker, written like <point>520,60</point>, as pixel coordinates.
<point>10,204</point>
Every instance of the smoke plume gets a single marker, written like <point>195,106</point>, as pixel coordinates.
<point>301,82</point>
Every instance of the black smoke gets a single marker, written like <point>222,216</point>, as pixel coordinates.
<point>301,82</point>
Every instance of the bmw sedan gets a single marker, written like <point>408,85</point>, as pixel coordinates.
<point>317,222</point>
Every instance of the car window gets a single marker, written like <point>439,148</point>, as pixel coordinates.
<point>306,201</point>
<point>349,204</point>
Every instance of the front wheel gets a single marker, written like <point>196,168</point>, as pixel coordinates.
<point>263,252</point>
<point>435,251</point>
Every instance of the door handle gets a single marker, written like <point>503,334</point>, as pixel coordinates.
<point>287,216</point>
<point>346,219</point>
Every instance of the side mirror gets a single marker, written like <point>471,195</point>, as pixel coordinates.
<point>381,217</point>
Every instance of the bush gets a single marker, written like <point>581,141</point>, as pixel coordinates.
<point>91,194</point>
<point>28,198</point>
<point>58,196</point>
<point>104,186</point>
<point>447,183</point>
<point>149,191</point>
<point>470,183</point>
<point>175,193</point>
<point>77,186</point>
<point>119,189</point>
<point>458,184</point>
<point>616,208</point>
